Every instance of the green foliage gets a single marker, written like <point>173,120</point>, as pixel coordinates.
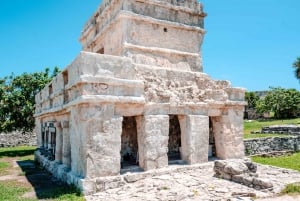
<point>291,161</point>
<point>296,65</point>
<point>251,99</point>
<point>291,188</point>
<point>285,103</point>
<point>17,99</point>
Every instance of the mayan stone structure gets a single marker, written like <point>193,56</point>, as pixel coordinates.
<point>137,96</point>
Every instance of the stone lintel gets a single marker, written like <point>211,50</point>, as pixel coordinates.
<point>159,50</point>
<point>132,15</point>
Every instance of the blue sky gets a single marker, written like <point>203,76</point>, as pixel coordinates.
<point>252,43</point>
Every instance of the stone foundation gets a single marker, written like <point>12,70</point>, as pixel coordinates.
<point>281,129</point>
<point>270,145</point>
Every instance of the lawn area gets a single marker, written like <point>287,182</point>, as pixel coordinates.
<point>291,161</point>
<point>251,136</point>
<point>256,125</point>
<point>24,177</point>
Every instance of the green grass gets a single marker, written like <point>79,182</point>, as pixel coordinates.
<point>17,151</point>
<point>291,189</point>
<point>291,161</point>
<point>251,136</point>
<point>256,125</point>
<point>3,167</point>
<point>12,191</point>
<point>62,194</point>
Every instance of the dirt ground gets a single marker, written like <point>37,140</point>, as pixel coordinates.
<point>42,183</point>
<point>28,174</point>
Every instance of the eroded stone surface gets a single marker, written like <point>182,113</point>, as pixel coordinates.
<point>242,171</point>
<point>140,67</point>
<point>195,182</point>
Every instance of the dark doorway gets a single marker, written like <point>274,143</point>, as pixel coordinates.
<point>129,143</point>
<point>101,51</point>
<point>212,145</point>
<point>174,145</point>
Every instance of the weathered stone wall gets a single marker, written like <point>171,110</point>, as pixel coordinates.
<point>281,129</point>
<point>17,138</point>
<point>273,144</point>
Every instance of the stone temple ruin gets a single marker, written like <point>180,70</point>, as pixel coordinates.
<point>136,96</point>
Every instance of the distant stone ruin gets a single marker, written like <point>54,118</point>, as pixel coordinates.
<point>136,96</point>
<point>281,129</point>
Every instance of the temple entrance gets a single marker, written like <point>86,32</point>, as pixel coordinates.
<point>212,143</point>
<point>174,145</point>
<point>129,143</point>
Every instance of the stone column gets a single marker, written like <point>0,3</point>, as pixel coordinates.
<point>153,136</point>
<point>103,151</point>
<point>194,138</point>
<point>38,129</point>
<point>46,129</point>
<point>59,142</point>
<point>66,152</point>
<point>228,132</point>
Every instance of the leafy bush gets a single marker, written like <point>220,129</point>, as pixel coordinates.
<point>17,99</point>
<point>285,103</point>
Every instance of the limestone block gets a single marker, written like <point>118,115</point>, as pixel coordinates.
<point>103,148</point>
<point>38,129</point>
<point>235,168</point>
<point>66,150</point>
<point>130,178</point>
<point>195,138</point>
<point>228,133</point>
<point>57,84</point>
<point>153,138</point>
<point>262,183</point>
<point>58,101</point>
<point>236,94</point>
<point>175,37</point>
<point>87,186</point>
<point>123,109</point>
<point>59,144</point>
<point>92,64</point>
<point>162,11</point>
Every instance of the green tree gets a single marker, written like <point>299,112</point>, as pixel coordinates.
<point>285,103</point>
<point>17,99</point>
<point>251,99</point>
<point>296,65</point>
